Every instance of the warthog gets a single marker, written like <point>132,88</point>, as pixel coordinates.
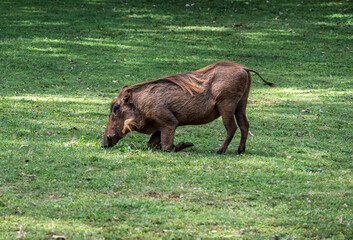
<point>159,106</point>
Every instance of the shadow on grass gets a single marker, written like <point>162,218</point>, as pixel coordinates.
<point>119,39</point>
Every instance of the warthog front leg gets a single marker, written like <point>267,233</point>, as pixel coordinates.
<point>180,146</point>
<point>166,134</point>
<point>167,138</point>
<point>155,140</point>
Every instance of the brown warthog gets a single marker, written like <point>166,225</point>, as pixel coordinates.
<point>159,106</point>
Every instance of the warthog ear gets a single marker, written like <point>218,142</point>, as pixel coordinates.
<point>126,95</point>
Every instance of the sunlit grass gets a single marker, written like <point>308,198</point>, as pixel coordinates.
<point>198,28</point>
<point>62,64</point>
<point>55,99</point>
<point>26,227</point>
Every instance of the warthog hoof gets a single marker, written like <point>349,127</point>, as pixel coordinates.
<point>241,150</point>
<point>221,151</point>
<point>182,145</point>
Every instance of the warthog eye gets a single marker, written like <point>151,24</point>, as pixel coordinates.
<point>116,108</point>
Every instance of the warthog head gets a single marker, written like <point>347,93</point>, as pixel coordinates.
<point>122,119</point>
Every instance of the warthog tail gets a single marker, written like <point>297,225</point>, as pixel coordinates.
<point>258,74</point>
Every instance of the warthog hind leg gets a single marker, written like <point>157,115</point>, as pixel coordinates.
<point>243,123</point>
<point>227,109</point>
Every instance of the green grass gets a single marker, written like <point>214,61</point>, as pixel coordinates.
<point>61,64</point>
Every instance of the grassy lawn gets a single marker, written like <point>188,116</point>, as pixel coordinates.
<point>63,62</point>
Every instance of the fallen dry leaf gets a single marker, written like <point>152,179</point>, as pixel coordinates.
<point>58,237</point>
<point>47,132</point>
<point>27,175</point>
<point>305,110</point>
<point>18,211</point>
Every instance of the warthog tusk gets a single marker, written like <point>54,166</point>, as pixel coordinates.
<point>127,125</point>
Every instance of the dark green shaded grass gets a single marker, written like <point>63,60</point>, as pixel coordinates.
<point>62,62</point>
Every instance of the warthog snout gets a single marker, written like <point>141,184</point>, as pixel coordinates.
<point>110,141</point>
